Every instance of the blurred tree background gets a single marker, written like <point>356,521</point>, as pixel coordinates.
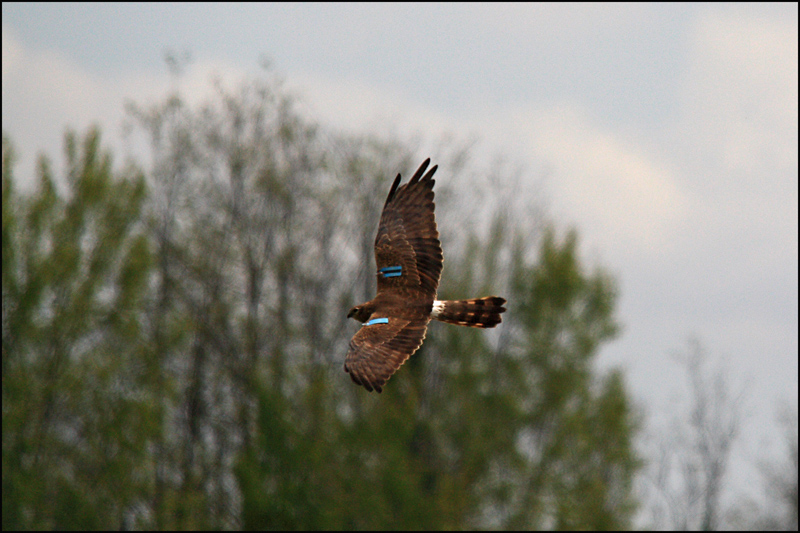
<point>174,335</point>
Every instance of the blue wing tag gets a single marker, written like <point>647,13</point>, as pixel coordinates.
<point>377,321</point>
<point>390,272</point>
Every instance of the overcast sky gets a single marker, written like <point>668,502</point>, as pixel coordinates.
<point>668,135</point>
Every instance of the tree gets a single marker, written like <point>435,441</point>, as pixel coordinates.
<point>76,402</point>
<point>247,217</point>
<point>227,352</point>
<point>693,460</point>
<point>578,431</point>
<point>276,244</point>
<point>780,480</point>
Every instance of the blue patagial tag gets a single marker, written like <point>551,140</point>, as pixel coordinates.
<point>377,321</point>
<point>392,271</point>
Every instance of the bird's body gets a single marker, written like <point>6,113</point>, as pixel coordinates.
<point>409,260</point>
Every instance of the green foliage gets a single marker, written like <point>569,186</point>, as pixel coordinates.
<point>583,429</point>
<point>174,361</point>
<point>76,407</point>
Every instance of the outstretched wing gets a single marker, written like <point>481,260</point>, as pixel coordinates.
<point>407,248</point>
<point>380,347</point>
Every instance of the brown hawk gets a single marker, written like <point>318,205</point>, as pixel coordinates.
<point>409,258</point>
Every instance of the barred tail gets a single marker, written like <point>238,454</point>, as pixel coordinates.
<point>477,313</point>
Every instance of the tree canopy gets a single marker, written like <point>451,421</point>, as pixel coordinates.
<point>173,340</point>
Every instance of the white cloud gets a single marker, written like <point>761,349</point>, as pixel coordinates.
<point>45,92</point>
<point>735,142</point>
<point>610,183</point>
<point>740,94</point>
<point>606,183</point>
<point>621,196</point>
<point>12,52</point>
<point>360,106</point>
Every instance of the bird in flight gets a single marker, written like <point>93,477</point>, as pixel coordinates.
<point>408,256</point>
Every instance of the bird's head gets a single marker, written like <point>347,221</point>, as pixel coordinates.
<point>360,313</point>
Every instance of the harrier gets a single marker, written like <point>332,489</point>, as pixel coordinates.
<point>408,256</point>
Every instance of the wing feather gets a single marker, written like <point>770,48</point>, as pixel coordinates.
<point>408,236</point>
<point>377,351</point>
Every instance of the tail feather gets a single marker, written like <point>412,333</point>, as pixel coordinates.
<point>476,313</point>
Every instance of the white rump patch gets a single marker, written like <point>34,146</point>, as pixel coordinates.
<point>438,308</point>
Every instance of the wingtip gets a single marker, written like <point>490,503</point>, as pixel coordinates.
<point>430,173</point>
<point>392,190</point>
<point>420,171</point>
<point>362,380</point>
